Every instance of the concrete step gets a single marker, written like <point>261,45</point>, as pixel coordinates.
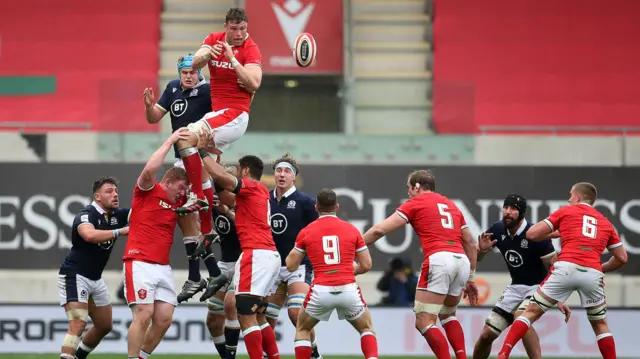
<point>390,6</point>
<point>386,47</point>
<point>404,62</point>
<point>220,6</point>
<point>211,18</point>
<point>393,121</point>
<point>391,33</point>
<point>411,92</point>
<point>187,32</point>
<point>393,18</point>
<point>393,75</point>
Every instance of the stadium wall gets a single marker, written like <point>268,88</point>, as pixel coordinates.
<point>40,329</point>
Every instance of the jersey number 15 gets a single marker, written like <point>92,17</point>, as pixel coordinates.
<point>331,248</point>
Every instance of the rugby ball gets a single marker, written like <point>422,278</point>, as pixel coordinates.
<point>304,49</point>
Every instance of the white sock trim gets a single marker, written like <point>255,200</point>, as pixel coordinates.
<point>524,320</point>
<point>219,340</point>
<point>84,347</point>
<point>367,333</point>
<point>302,343</point>
<point>264,326</point>
<point>603,335</point>
<point>250,330</point>
<point>206,185</point>
<point>450,319</point>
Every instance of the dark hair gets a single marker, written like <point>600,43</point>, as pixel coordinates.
<point>254,164</point>
<point>97,184</point>
<point>175,174</point>
<point>326,200</point>
<point>587,190</point>
<point>424,178</point>
<point>236,15</point>
<point>288,158</point>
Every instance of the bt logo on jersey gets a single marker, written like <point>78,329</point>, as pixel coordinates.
<point>179,107</point>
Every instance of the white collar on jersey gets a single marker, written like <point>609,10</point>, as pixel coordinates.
<point>286,194</point>
<point>586,204</point>
<point>522,227</point>
<point>98,208</point>
<point>245,39</point>
<point>328,215</point>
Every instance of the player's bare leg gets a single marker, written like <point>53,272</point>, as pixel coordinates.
<point>606,344</point>
<point>368,340</point>
<point>296,294</point>
<point>247,307</point>
<point>539,304</point>
<point>427,307</point>
<point>215,322</point>
<point>77,313</point>
<point>302,343</point>
<point>492,330</point>
<point>142,314</point>
<point>231,325</point>
<point>482,348</point>
<point>160,323</point>
<point>451,326</point>
<point>531,341</point>
<point>195,283</point>
<point>102,325</point>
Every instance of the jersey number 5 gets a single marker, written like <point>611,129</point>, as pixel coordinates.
<point>331,248</point>
<point>447,219</point>
<point>589,226</point>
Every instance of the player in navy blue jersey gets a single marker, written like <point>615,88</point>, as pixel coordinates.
<point>222,319</point>
<point>187,99</point>
<point>528,263</point>
<point>83,292</point>
<point>291,211</point>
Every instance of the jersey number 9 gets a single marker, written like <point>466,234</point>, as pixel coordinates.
<point>331,248</point>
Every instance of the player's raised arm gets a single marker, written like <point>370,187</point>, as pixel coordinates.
<point>222,178</point>
<point>208,50</point>
<point>154,112</point>
<point>383,228</point>
<point>147,178</point>
<point>249,74</point>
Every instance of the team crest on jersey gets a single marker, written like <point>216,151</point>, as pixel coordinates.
<point>175,89</point>
<point>193,93</point>
<point>114,221</point>
<point>524,244</point>
<point>291,204</point>
<point>503,237</point>
<point>164,205</point>
<point>106,245</point>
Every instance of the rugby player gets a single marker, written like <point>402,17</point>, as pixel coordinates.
<point>83,292</point>
<point>259,264</point>
<point>332,245</point>
<point>187,99</point>
<point>291,211</point>
<point>222,319</point>
<point>449,260</point>
<point>149,284</point>
<point>528,263</point>
<point>234,63</point>
<point>584,235</point>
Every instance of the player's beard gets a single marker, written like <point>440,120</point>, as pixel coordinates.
<point>509,222</point>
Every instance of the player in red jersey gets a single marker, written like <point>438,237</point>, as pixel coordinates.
<point>584,235</point>
<point>449,260</point>
<point>259,264</point>
<point>235,70</point>
<point>148,280</point>
<point>332,245</point>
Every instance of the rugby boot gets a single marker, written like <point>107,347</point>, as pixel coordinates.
<point>213,286</point>
<point>203,243</point>
<point>190,288</point>
<point>193,205</point>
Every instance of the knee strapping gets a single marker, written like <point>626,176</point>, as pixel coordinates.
<point>233,324</point>
<point>296,300</point>
<point>597,313</point>
<point>78,314</point>
<point>215,306</point>
<point>496,323</point>
<point>273,311</point>
<point>71,341</point>
<point>186,152</point>
<point>448,310</point>
<point>541,302</point>
<point>199,126</point>
<point>420,307</point>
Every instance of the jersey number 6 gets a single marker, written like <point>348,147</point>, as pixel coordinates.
<point>331,248</point>
<point>446,220</point>
<point>589,226</point>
